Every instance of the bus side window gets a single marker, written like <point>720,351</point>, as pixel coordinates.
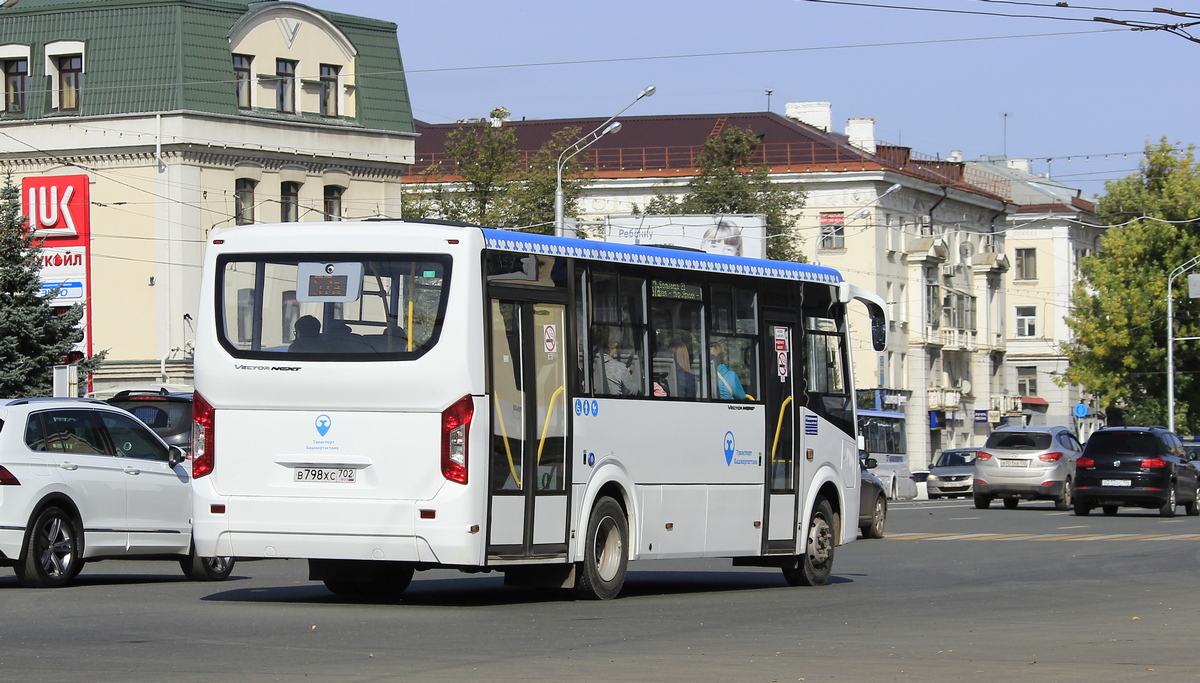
<point>618,336</point>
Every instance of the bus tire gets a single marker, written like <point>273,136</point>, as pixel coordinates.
<point>813,567</point>
<point>606,557</point>
<point>388,584</point>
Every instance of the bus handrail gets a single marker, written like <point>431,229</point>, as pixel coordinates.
<point>546,424</point>
<point>778,427</point>
<point>504,435</point>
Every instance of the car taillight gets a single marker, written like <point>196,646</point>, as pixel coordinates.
<point>1085,462</point>
<point>203,436</point>
<point>1050,457</point>
<point>456,425</point>
<point>7,478</point>
<point>1154,463</point>
<point>980,482</point>
<point>983,455</point>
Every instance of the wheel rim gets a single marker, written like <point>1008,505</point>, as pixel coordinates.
<point>877,522</point>
<point>217,565</point>
<point>608,549</point>
<point>57,548</point>
<point>1067,493</point>
<point>820,541</point>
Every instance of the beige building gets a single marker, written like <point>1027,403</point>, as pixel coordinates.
<point>164,119</point>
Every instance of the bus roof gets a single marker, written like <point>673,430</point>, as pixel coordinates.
<point>507,240</point>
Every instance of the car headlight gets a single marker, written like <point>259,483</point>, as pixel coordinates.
<point>933,478</point>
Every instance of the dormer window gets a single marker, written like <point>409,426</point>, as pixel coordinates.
<point>65,66</point>
<point>329,89</point>
<point>16,85</point>
<point>285,86</point>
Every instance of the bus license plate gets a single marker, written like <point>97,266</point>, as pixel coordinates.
<point>1013,463</point>
<point>337,475</point>
<point>1116,482</point>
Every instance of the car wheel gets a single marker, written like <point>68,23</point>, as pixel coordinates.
<point>1064,502</point>
<point>1109,510</point>
<point>205,568</point>
<point>1168,506</point>
<point>814,566</point>
<point>878,518</point>
<point>1192,508</point>
<point>983,502</point>
<point>53,550</point>
<point>1011,503</point>
<point>934,496</point>
<point>606,555</point>
<point>1081,508</point>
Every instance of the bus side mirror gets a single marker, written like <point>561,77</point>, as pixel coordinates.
<point>878,327</point>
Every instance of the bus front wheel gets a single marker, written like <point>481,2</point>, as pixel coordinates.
<point>606,556</point>
<point>815,564</point>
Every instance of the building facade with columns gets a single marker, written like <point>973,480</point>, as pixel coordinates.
<point>134,127</point>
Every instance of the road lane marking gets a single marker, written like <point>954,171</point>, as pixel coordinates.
<point>946,536</point>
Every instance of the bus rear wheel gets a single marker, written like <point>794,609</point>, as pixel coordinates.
<point>816,563</point>
<point>606,558</point>
<point>383,582</point>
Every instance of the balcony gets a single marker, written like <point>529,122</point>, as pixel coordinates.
<point>943,399</point>
<point>960,340</point>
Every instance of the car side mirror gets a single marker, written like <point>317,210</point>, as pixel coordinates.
<point>176,456</point>
<point>870,463</point>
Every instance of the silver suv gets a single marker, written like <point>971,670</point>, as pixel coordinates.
<point>1034,463</point>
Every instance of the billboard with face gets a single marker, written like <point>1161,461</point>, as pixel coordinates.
<point>731,235</point>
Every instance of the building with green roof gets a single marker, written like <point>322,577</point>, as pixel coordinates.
<point>183,116</point>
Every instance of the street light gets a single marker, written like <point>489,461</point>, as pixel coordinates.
<point>609,126</point>
<point>1171,340</point>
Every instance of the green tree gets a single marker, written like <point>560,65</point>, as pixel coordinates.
<point>498,187</point>
<point>1119,303</point>
<point>727,182</point>
<point>32,337</point>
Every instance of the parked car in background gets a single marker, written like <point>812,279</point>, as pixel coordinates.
<point>1025,462</point>
<point>872,505</point>
<point>167,411</point>
<point>920,481</point>
<point>951,474</point>
<point>1191,447</point>
<point>1137,467</point>
<point>80,481</point>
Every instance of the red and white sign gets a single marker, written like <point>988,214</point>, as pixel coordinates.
<point>781,339</point>
<point>550,338</point>
<point>781,364</point>
<point>59,211</point>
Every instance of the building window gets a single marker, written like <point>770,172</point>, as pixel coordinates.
<point>333,202</point>
<point>933,304</point>
<point>289,202</point>
<point>1027,381</point>
<point>16,78</point>
<point>1026,264</point>
<point>833,230</point>
<point>70,81</point>
<point>959,311</point>
<point>285,86</point>
<point>1026,321</point>
<point>243,79</point>
<point>243,201</point>
<point>329,89</point>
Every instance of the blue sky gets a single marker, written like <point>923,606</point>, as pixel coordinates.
<point>1043,87</point>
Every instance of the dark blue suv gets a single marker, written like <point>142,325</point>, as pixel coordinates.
<point>1135,467</point>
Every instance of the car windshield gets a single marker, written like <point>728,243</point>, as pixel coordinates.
<point>1019,441</point>
<point>955,459</point>
<point>1123,443</point>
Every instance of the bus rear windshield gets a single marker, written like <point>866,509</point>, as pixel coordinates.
<point>331,307</point>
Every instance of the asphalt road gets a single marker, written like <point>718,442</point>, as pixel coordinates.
<point>952,593</point>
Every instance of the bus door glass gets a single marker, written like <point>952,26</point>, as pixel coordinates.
<point>778,394</point>
<point>529,429</point>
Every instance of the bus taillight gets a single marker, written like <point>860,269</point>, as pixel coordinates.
<point>203,434</point>
<point>456,424</point>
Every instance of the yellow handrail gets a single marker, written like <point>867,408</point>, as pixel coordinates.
<point>546,424</point>
<point>504,434</point>
<point>410,329</point>
<point>778,427</point>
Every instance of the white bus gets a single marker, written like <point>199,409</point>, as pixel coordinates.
<point>883,437</point>
<point>385,397</point>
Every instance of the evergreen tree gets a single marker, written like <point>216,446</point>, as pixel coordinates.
<point>32,337</point>
<point>728,183</point>
<point>1119,301</point>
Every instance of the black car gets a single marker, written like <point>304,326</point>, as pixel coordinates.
<point>167,412</point>
<point>1136,467</point>
<point>872,506</point>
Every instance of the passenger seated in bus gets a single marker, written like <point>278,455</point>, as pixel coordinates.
<point>685,379</point>
<point>308,335</point>
<point>612,377</point>
<point>729,387</point>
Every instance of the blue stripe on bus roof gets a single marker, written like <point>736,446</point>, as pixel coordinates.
<point>505,240</point>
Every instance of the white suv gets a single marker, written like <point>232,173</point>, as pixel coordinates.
<point>81,480</point>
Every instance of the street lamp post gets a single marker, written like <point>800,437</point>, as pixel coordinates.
<point>609,126</point>
<point>1171,340</point>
